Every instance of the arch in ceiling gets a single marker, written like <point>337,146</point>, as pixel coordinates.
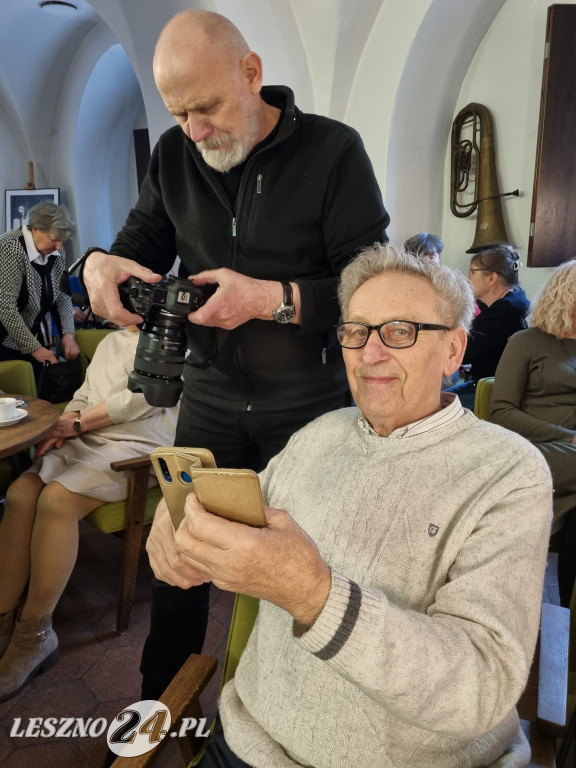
<point>103,158</point>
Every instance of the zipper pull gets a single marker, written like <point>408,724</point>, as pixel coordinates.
<point>259,184</point>
<point>324,356</point>
<point>234,227</point>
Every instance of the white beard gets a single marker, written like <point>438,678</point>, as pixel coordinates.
<point>223,152</point>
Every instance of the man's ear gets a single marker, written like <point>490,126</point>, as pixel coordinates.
<point>458,341</point>
<point>251,68</point>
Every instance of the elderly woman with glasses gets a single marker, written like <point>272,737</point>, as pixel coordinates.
<point>503,309</point>
<point>31,264</point>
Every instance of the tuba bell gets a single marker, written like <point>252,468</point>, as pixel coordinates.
<point>473,159</point>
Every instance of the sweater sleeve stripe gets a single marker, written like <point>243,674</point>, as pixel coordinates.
<point>347,625</point>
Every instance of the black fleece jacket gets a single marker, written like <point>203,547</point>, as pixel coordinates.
<point>308,201</point>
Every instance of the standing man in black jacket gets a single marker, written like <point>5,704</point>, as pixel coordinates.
<point>269,204</point>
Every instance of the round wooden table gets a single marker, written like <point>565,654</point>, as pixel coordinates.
<point>41,418</point>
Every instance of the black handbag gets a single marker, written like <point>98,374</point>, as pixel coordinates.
<point>59,381</point>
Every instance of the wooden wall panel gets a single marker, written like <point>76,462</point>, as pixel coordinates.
<point>552,237</point>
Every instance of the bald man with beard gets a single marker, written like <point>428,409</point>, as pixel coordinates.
<point>266,204</point>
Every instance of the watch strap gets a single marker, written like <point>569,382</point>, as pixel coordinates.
<point>287,297</point>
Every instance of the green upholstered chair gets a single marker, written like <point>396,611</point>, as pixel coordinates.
<point>482,397</point>
<point>16,378</point>
<point>89,338</point>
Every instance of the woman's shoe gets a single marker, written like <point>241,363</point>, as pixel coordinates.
<point>7,620</point>
<point>33,649</point>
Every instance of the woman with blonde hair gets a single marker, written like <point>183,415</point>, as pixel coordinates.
<point>535,395</point>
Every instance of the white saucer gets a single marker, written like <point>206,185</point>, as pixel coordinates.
<point>20,414</point>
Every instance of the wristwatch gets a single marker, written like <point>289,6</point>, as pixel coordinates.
<point>286,311</point>
<point>77,424</point>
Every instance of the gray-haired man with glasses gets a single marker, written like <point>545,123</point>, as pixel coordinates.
<point>400,573</point>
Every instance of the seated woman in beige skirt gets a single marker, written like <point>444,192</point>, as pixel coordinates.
<point>69,478</point>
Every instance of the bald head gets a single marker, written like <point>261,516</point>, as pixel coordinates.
<point>210,82</point>
<point>199,33</point>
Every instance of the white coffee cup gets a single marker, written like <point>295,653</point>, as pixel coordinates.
<point>7,408</point>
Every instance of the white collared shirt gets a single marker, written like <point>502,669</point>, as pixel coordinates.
<point>33,253</point>
<point>450,410</point>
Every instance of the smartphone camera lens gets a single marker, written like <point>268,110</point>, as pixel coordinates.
<point>165,471</point>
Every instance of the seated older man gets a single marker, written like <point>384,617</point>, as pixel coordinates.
<point>400,573</point>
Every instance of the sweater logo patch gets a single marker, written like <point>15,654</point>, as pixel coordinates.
<point>433,530</point>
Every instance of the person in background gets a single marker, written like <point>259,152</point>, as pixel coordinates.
<point>503,309</point>
<point>70,477</point>
<point>425,246</point>
<point>534,395</point>
<point>267,204</point>
<point>31,263</point>
<point>400,573</point>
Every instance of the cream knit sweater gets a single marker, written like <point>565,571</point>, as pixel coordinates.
<point>437,545</point>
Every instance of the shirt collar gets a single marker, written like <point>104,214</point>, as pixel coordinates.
<point>450,410</point>
<point>33,253</point>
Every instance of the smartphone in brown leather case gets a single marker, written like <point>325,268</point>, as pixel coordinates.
<point>234,494</point>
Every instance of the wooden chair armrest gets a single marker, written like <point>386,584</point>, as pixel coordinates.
<point>139,462</point>
<point>181,695</point>
<point>553,669</point>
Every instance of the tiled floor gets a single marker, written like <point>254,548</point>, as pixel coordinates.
<point>97,675</point>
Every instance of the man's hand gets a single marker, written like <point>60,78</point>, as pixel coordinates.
<point>279,563</point>
<point>238,299</point>
<point>166,562</point>
<point>42,354</point>
<point>102,274</point>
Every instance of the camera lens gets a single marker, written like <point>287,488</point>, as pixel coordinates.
<point>159,359</point>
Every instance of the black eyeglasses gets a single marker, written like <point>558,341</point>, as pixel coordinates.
<point>397,334</point>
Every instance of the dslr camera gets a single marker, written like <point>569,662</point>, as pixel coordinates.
<point>162,345</point>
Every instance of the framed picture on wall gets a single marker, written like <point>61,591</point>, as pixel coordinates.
<point>20,201</point>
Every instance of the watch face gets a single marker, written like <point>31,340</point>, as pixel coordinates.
<point>284,314</point>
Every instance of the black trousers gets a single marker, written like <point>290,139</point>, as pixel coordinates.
<point>218,754</point>
<point>248,440</point>
<point>567,560</point>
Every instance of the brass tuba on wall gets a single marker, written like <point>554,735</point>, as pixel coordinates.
<point>474,159</point>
